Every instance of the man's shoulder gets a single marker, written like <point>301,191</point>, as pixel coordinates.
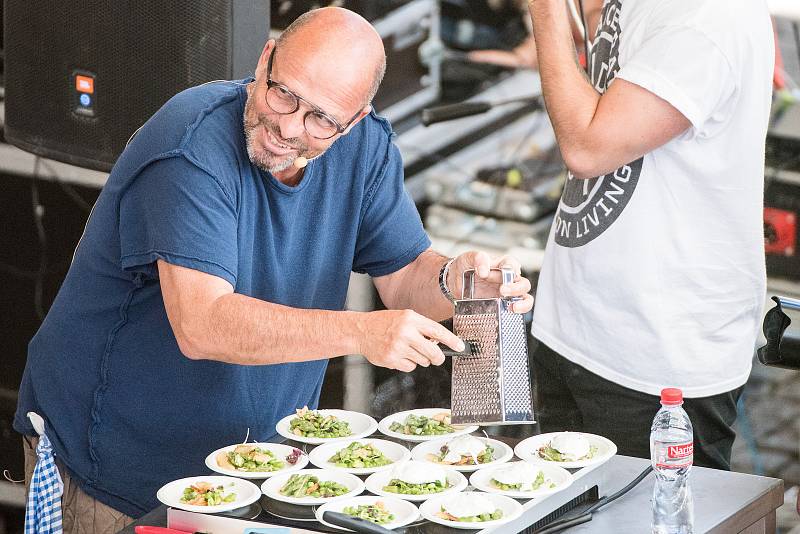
<point>173,126</point>
<point>374,127</point>
<point>192,106</point>
<point>373,135</point>
<point>210,93</point>
<point>197,122</point>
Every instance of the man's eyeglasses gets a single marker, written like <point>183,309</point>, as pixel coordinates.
<point>282,100</point>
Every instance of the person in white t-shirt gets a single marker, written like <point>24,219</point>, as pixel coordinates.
<point>654,271</point>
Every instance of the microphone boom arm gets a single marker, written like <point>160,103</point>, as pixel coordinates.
<point>470,108</point>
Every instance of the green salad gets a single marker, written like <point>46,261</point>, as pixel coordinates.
<point>549,453</point>
<point>300,486</point>
<point>206,494</point>
<point>249,458</point>
<point>377,513</point>
<point>486,456</point>
<point>497,514</point>
<point>312,424</point>
<point>538,483</point>
<point>357,455</point>
<point>398,486</point>
<point>419,425</point>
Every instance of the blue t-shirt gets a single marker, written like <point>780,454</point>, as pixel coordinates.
<point>126,411</point>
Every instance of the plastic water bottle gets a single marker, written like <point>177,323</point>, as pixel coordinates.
<point>672,452</point>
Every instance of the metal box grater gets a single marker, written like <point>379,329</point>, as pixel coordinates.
<point>492,386</point>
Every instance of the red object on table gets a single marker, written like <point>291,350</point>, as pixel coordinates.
<point>144,529</point>
<point>780,232</point>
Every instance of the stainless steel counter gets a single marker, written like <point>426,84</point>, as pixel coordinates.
<point>724,502</point>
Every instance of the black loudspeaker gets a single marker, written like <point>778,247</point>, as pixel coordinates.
<point>81,77</point>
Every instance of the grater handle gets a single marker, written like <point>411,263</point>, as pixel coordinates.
<point>468,277</point>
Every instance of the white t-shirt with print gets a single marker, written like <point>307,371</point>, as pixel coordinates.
<point>654,274</point>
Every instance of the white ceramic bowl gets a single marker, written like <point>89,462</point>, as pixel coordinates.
<point>399,417</point>
<point>280,450</point>
<point>393,451</point>
<point>376,482</point>
<point>556,479</point>
<point>528,450</point>
<point>271,487</point>
<point>404,512</point>
<point>246,493</point>
<point>361,425</point>
<point>502,453</point>
<point>511,510</point>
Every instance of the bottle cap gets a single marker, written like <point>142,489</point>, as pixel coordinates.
<point>671,396</point>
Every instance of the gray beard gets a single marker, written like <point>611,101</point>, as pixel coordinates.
<point>262,159</point>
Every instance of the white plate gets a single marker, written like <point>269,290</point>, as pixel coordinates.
<point>528,449</point>
<point>278,449</point>
<point>557,475</point>
<point>246,493</point>
<point>376,481</point>
<point>361,425</point>
<point>271,487</point>
<point>399,417</point>
<point>502,453</point>
<point>404,512</point>
<point>393,451</point>
<point>511,510</point>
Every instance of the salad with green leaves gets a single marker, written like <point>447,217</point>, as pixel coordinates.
<point>358,455</point>
<point>300,486</point>
<point>420,425</point>
<point>250,458</point>
<point>398,486</point>
<point>377,513</point>
<point>533,486</point>
<point>448,457</point>
<point>494,516</point>
<point>549,453</point>
<point>313,424</point>
<point>206,494</point>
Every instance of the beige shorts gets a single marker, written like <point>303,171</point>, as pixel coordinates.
<point>81,514</point>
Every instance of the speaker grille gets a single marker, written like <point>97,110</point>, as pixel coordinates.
<point>140,52</point>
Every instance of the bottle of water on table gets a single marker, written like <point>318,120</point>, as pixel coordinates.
<point>671,452</point>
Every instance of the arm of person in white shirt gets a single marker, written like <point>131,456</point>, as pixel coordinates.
<point>524,54</point>
<point>211,321</point>
<point>597,134</point>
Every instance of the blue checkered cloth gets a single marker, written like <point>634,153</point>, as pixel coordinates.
<point>43,511</point>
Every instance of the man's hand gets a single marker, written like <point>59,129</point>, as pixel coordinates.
<point>403,339</point>
<point>488,282</point>
<point>521,57</point>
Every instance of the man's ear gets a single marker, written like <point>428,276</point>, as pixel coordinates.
<point>264,58</point>
<point>364,112</point>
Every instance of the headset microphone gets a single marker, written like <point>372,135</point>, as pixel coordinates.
<point>300,161</point>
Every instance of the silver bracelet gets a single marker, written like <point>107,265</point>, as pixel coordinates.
<point>443,280</point>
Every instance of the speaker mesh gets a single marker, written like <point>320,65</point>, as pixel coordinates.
<point>141,52</point>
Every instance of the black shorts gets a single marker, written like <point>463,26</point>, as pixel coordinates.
<point>569,397</point>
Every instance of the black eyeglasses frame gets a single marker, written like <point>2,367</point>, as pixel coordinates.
<point>297,98</point>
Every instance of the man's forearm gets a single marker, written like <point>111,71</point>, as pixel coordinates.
<point>419,290</point>
<point>570,99</point>
<point>244,330</point>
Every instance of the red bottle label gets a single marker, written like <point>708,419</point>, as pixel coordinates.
<point>680,451</point>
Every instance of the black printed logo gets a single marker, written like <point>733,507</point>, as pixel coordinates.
<point>589,207</point>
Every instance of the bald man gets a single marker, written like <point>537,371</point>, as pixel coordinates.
<point>207,293</point>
